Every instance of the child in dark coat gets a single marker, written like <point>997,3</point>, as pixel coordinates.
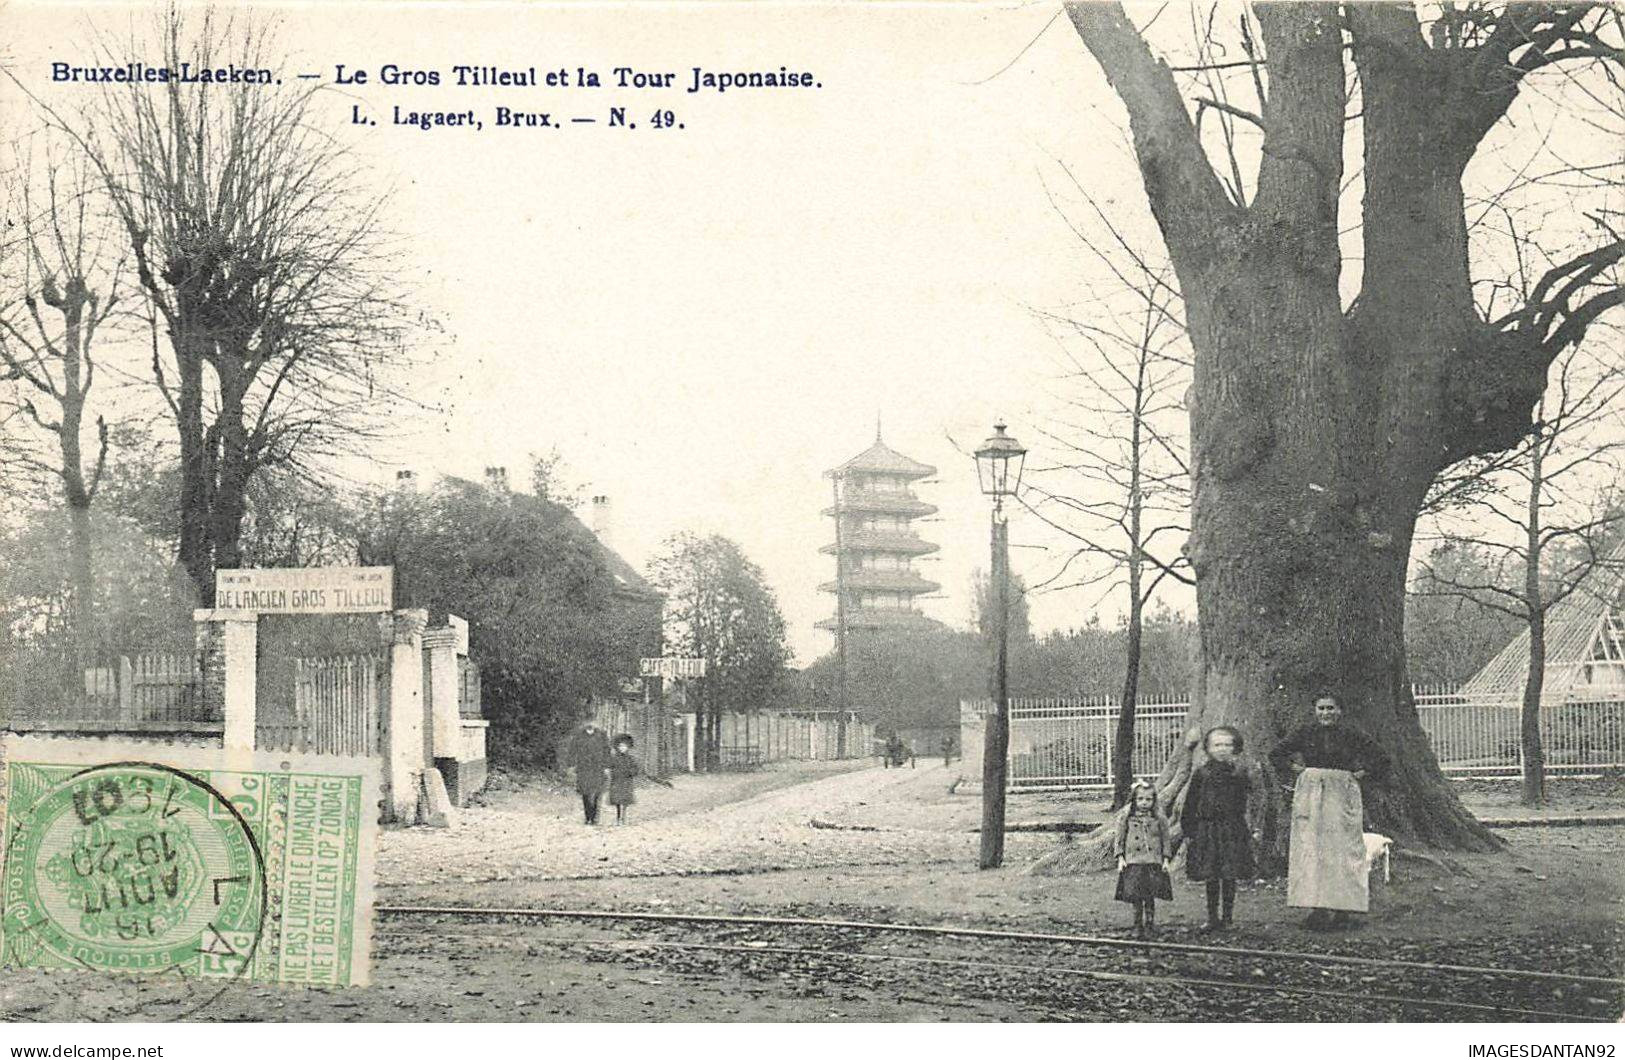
<point>1217,825</point>
<point>623,775</point>
<point>1143,851</point>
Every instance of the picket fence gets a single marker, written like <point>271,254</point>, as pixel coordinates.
<point>752,739</point>
<point>748,739</point>
<point>336,708</point>
<point>160,688</point>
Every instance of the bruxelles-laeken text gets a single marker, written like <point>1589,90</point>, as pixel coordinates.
<point>163,75</point>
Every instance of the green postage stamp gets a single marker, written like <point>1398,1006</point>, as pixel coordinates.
<point>123,856</point>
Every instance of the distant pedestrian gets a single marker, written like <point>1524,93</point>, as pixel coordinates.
<point>588,754</point>
<point>1327,871</point>
<point>1218,824</point>
<point>623,773</point>
<point>894,751</point>
<point>947,751</point>
<point>1143,854</point>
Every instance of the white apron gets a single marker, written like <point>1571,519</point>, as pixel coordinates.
<point>1326,867</point>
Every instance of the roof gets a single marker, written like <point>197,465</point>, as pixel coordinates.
<point>882,458</point>
<point>627,579</point>
<point>860,618</point>
<point>1572,628</point>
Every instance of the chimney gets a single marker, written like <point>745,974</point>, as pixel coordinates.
<point>496,478</point>
<point>406,481</point>
<point>602,525</point>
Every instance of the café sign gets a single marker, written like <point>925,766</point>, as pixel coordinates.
<point>305,590</point>
<point>672,666</point>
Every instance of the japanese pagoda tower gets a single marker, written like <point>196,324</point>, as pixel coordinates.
<point>875,543</point>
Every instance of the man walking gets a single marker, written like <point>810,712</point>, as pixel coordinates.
<point>588,754</point>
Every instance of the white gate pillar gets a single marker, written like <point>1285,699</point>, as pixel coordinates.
<point>443,645</point>
<point>405,736</point>
<point>240,639</point>
<point>229,644</point>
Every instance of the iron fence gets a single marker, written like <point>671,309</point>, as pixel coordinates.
<point>1067,742</point>
<point>1481,736</point>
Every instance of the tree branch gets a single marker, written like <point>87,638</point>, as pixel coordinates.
<point>1186,195</point>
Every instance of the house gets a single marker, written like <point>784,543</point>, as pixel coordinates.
<point>640,604</point>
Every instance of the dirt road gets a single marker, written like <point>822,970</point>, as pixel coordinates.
<point>729,829</point>
<point>900,853</point>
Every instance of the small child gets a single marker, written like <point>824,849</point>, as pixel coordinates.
<point>1143,853</point>
<point>1215,824</point>
<point>623,773</point>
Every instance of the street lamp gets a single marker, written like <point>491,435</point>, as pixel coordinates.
<point>998,468</point>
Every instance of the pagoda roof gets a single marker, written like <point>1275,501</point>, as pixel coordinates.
<point>873,501</point>
<point>1573,628</point>
<point>897,541</point>
<point>869,618</point>
<point>883,459</point>
<point>898,581</point>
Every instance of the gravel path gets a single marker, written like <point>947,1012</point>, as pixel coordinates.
<point>764,832</point>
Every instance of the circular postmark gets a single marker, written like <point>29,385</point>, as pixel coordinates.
<point>133,867</point>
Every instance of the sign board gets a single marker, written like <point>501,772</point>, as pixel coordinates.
<point>305,590</point>
<point>671,666</point>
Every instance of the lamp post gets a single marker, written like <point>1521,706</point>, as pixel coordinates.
<point>998,468</point>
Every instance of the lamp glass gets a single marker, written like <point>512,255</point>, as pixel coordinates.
<point>994,462</point>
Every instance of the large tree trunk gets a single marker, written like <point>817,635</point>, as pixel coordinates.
<point>235,466</point>
<point>83,582</point>
<point>1289,617</point>
<point>1316,432</point>
<point>196,497</point>
<point>1305,489</point>
<point>73,299</point>
<point>82,613</point>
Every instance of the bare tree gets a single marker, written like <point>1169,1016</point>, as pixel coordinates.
<point>1121,489</point>
<point>257,241</point>
<point>1541,519</point>
<point>60,297</point>
<point>1317,427</point>
<point>291,521</point>
<point>720,609</point>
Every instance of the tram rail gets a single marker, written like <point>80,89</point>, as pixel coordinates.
<point>1175,955</point>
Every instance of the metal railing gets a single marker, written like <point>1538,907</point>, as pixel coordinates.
<point>1066,742</point>
<point>1481,736</point>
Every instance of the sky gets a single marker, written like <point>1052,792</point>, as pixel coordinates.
<point>702,320</point>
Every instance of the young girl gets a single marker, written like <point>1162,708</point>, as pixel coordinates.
<point>623,774</point>
<point>1217,825</point>
<point>1143,852</point>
